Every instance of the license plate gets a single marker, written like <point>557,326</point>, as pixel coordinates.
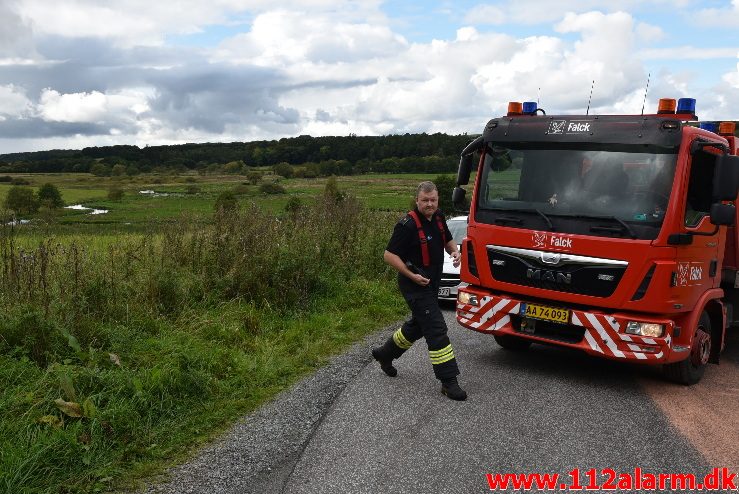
<point>552,314</point>
<point>444,292</point>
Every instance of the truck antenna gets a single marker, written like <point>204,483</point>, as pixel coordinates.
<point>587,112</point>
<point>538,97</point>
<point>649,75</point>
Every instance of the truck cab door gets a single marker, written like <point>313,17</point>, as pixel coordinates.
<point>698,260</point>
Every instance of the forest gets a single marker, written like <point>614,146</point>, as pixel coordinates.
<point>316,156</point>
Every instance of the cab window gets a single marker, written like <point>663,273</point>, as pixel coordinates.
<point>700,187</point>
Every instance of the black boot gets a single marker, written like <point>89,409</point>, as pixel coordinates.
<point>450,388</point>
<point>386,363</point>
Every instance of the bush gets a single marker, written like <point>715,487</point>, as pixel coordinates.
<point>271,188</point>
<point>22,200</point>
<point>283,170</point>
<point>226,202</point>
<point>20,181</point>
<point>294,205</point>
<point>192,189</point>
<point>241,189</point>
<point>50,196</point>
<point>115,193</point>
<point>253,177</point>
<point>331,191</point>
<point>6,178</point>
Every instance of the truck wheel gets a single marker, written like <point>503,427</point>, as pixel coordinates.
<point>690,370</point>
<point>511,342</point>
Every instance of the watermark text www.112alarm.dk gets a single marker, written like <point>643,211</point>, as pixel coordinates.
<point>608,479</point>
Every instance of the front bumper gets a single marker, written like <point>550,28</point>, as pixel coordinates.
<point>449,287</point>
<point>591,331</point>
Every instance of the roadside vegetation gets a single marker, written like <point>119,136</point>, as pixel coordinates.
<point>128,338</point>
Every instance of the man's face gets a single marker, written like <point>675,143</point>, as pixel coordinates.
<point>427,202</point>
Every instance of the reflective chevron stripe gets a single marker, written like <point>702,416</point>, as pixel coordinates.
<point>400,340</point>
<point>440,356</point>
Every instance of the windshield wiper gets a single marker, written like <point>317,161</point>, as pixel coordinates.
<point>624,226</point>
<point>532,210</point>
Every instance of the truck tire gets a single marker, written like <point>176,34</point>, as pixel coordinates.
<point>690,370</point>
<point>511,342</point>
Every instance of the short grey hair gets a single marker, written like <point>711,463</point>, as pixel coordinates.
<point>425,187</point>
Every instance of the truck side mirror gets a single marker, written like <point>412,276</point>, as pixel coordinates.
<point>458,197</point>
<point>465,161</point>
<point>465,168</point>
<point>723,214</point>
<point>726,178</point>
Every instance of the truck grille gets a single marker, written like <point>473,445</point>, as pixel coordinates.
<point>556,271</point>
<point>449,281</point>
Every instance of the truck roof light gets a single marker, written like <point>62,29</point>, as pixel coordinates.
<point>529,107</point>
<point>727,128</point>
<point>515,108</point>
<point>709,126</point>
<point>666,105</point>
<point>686,105</point>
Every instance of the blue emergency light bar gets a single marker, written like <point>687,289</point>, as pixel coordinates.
<point>529,107</point>
<point>709,126</point>
<point>686,105</point>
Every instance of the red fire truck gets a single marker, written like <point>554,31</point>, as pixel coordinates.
<point>612,234</point>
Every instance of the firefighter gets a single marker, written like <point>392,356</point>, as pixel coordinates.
<point>417,244</point>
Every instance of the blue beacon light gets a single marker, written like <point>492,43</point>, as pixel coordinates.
<point>529,107</point>
<point>709,126</point>
<point>686,105</point>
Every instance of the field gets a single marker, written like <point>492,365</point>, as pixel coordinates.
<point>129,338</point>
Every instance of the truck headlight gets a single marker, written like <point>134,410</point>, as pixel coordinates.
<point>649,329</point>
<point>467,298</point>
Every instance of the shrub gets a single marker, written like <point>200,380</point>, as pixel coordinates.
<point>253,177</point>
<point>272,188</point>
<point>226,202</point>
<point>6,178</point>
<point>50,196</point>
<point>294,205</point>
<point>283,170</point>
<point>331,191</point>
<point>192,189</point>
<point>20,181</point>
<point>115,193</point>
<point>241,189</point>
<point>22,200</point>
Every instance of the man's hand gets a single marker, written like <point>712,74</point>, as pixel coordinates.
<point>419,279</point>
<point>456,258</point>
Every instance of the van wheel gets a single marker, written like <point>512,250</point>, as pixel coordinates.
<point>690,370</point>
<point>511,342</point>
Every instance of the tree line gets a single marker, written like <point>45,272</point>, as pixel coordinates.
<point>309,156</point>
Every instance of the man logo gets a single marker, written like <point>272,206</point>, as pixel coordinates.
<point>550,276</point>
<point>557,127</point>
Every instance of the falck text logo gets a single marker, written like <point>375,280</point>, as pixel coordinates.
<point>541,240</point>
<point>572,127</point>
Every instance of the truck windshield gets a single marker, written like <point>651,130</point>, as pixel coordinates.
<point>608,191</point>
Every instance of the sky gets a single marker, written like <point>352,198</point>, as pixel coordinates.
<point>78,73</point>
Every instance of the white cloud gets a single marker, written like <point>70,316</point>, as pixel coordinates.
<point>13,101</point>
<point>718,18</point>
<point>142,22</point>
<point>93,107</point>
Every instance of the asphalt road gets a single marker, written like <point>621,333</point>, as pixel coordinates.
<point>545,410</point>
<point>351,429</point>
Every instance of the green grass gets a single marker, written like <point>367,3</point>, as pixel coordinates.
<point>160,339</point>
<point>378,192</point>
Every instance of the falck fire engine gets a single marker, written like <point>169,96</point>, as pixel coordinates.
<point>611,234</point>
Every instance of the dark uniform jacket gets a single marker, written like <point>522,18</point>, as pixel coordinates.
<point>405,244</point>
